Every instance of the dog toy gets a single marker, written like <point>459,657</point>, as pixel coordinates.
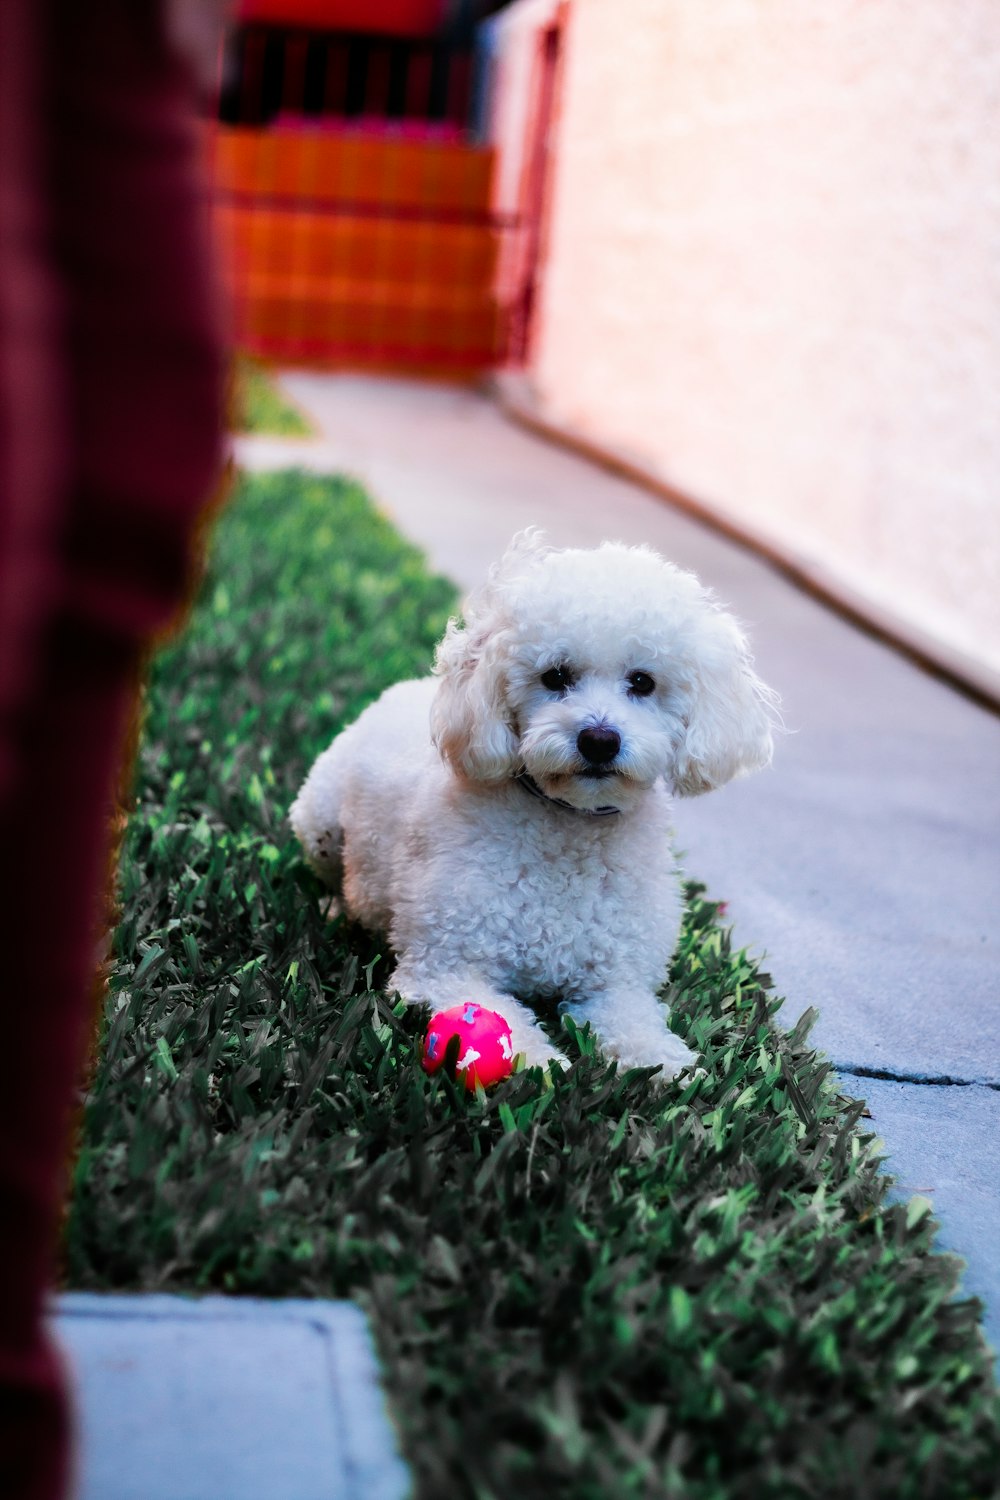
<point>484,1052</point>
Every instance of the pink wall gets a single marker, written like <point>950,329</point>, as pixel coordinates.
<point>773,279</point>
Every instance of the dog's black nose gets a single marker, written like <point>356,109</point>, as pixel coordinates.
<point>599,745</point>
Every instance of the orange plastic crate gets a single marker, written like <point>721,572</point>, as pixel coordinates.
<point>347,248</point>
<point>294,243</point>
<point>447,322</point>
<point>325,167</point>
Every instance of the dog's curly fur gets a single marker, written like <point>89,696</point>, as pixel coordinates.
<point>507,822</point>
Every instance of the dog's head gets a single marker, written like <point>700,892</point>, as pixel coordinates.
<point>597,672</point>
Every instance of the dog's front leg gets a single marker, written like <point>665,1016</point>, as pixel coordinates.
<point>440,991</point>
<point>631,1024</point>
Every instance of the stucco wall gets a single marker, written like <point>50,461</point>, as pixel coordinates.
<point>773,279</point>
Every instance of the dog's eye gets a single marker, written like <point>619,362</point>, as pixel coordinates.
<point>557,679</point>
<point>641,684</point>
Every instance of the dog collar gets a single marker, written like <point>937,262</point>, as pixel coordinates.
<point>531,785</point>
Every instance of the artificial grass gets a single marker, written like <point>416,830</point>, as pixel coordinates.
<point>595,1288</point>
<point>258,406</point>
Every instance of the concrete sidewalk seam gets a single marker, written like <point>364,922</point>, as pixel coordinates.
<point>928,1080</point>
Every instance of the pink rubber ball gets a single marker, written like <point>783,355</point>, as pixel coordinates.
<point>486,1052</point>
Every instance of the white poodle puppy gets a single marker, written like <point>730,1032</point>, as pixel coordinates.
<point>506,823</point>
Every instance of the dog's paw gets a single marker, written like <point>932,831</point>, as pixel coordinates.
<point>671,1062</point>
<point>664,1050</point>
<point>680,1060</point>
<point>537,1051</point>
<point>689,1073</point>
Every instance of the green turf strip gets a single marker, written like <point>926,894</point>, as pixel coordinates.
<point>258,405</point>
<point>601,1288</point>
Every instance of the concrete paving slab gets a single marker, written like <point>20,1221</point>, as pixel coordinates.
<point>224,1398</point>
<point>867,861</point>
<point>937,1139</point>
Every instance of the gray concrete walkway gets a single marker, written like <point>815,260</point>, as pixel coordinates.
<point>864,866</point>
<point>225,1398</point>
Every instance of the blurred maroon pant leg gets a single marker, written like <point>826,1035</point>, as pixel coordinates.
<point>110,419</point>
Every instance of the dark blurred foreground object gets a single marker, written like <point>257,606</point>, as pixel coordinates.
<point>110,419</point>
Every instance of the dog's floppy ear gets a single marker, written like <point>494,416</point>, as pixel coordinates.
<point>729,713</point>
<point>470,722</point>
